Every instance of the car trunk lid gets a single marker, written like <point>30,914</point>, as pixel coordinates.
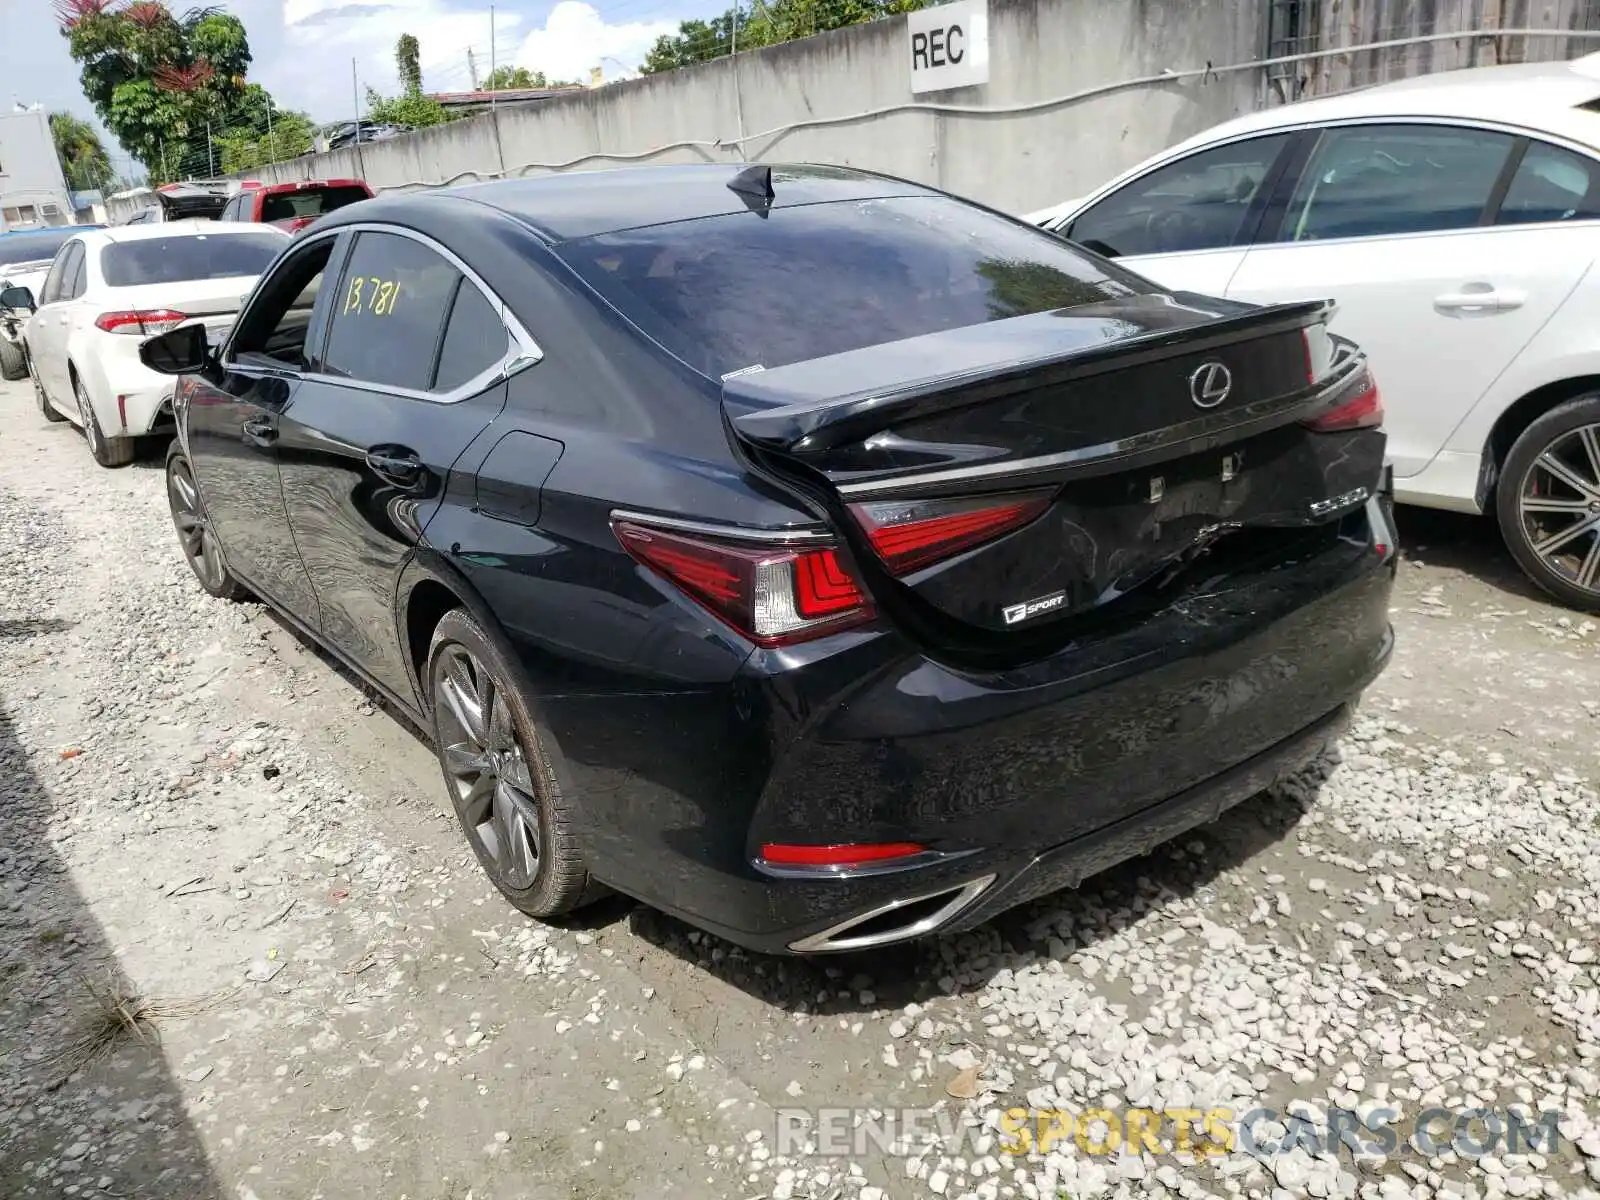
<point>996,478</point>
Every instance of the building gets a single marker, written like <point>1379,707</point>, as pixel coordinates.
<point>471,102</point>
<point>33,192</point>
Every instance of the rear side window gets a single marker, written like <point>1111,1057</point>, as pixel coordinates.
<point>390,312</point>
<point>745,290</point>
<point>286,206</point>
<point>1197,203</point>
<point>51,292</point>
<point>474,340</point>
<point>73,285</point>
<point>1376,180</point>
<point>188,257</point>
<point>1551,184</point>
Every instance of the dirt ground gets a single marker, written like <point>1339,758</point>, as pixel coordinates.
<point>206,825</point>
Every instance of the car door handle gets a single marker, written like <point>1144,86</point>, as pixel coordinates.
<point>398,465</point>
<point>262,431</point>
<point>1485,300</point>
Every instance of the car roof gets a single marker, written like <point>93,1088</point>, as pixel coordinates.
<point>1543,96</point>
<point>195,226</point>
<point>68,230</point>
<point>585,203</point>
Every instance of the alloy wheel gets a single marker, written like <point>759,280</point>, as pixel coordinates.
<point>1559,506</point>
<point>487,766</point>
<point>194,530</point>
<point>91,429</point>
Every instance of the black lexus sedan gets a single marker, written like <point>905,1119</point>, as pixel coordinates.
<point>810,554</point>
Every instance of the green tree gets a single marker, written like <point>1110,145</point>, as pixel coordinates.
<point>84,161</point>
<point>408,61</point>
<point>157,80</point>
<point>415,110</point>
<point>505,78</point>
<point>243,148</point>
<point>765,24</point>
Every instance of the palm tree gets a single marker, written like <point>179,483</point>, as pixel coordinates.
<point>83,158</point>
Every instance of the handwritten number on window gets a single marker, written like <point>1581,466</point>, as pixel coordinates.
<point>370,294</point>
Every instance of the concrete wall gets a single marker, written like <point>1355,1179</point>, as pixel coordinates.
<point>30,172</point>
<point>1040,50</point>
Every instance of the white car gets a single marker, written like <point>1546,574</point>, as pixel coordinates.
<point>109,289</point>
<point>1455,220</point>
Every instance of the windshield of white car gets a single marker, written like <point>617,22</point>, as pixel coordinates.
<point>34,247</point>
<point>186,257</point>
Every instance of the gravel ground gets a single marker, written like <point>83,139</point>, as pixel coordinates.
<point>205,826</point>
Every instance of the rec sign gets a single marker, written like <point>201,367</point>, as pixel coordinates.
<point>949,46</point>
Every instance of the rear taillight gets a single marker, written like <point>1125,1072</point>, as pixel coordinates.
<point>142,321</point>
<point>1362,412</point>
<point>773,595</point>
<point>911,534</point>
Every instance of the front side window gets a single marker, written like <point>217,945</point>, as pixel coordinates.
<point>1380,180</point>
<point>185,257</point>
<point>1551,184</point>
<point>744,290</point>
<point>273,327</point>
<point>387,319</point>
<point>1197,203</point>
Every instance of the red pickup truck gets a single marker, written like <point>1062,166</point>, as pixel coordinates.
<point>293,206</point>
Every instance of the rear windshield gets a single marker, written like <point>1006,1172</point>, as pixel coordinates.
<point>188,256</point>
<point>747,290</point>
<point>288,205</point>
<point>34,247</point>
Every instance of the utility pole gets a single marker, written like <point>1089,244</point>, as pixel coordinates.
<point>272,146</point>
<point>491,58</point>
<point>472,68</point>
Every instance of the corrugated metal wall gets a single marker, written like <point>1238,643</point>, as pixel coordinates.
<point>1300,26</point>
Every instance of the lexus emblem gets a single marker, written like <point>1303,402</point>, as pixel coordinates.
<point>1210,384</point>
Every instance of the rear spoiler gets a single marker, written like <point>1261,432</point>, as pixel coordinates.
<point>824,403</point>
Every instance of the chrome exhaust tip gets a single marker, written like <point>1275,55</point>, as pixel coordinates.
<point>894,921</point>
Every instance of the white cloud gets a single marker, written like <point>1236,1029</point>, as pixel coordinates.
<point>324,35</point>
<point>576,39</point>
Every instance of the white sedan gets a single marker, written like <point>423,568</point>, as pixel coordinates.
<point>1455,219</point>
<point>109,289</point>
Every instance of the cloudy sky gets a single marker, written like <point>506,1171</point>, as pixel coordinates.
<point>303,48</point>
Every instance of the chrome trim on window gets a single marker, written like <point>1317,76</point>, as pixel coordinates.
<point>521,352</point>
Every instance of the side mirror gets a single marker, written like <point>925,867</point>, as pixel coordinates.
<point>18,297</point>
<point>181,351</point>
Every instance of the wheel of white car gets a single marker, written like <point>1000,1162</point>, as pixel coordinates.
<point>13,363</point>
<point>1548,502</point>
<point>108,452</point>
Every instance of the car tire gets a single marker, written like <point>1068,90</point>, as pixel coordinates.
<point>517,818</point>
<point>1548,502</point>
<point>108,452</point>
<point>43,401</point>
<point>13,362</point>
<point>198,541</point>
